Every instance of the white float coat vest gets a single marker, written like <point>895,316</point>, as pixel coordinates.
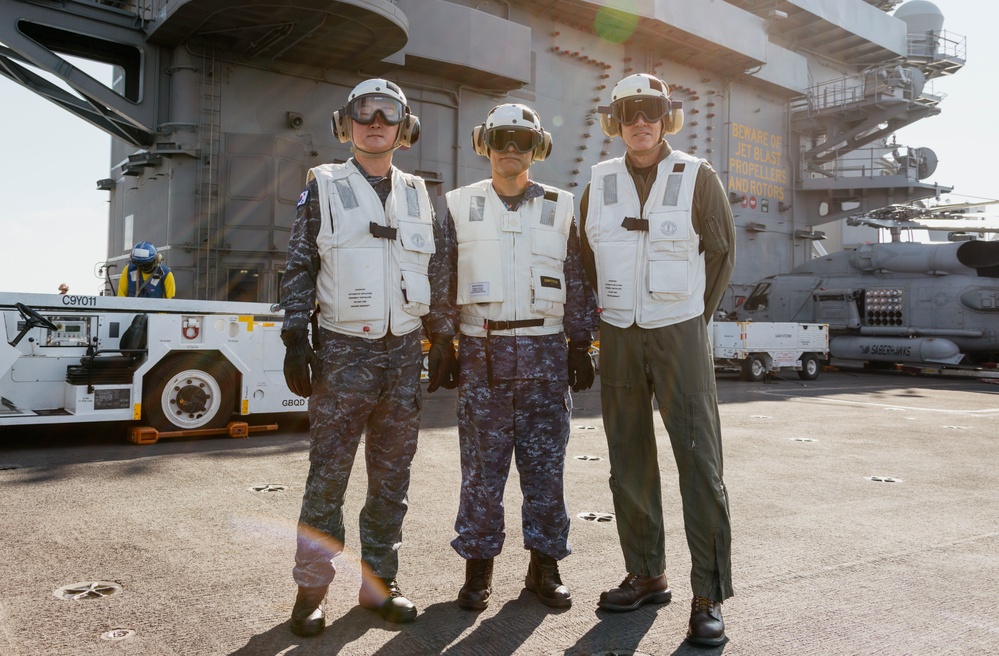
<point>651,277</point>
<point>511,264</point>
<point>368,285</point>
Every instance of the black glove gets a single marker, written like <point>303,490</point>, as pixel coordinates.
<point>581,373</point>
<point>442,363</point>
<point>298,356</point>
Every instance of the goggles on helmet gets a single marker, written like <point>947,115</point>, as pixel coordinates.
<point>364,109</point>
<point>653,108</point>
<point>523,141</point>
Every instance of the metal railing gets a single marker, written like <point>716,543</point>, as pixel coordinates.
<point>882,84</point>
<point>143,9</point>
<point>937,45</point>
<point>870,162</point>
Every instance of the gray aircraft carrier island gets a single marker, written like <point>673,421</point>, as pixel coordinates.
<point>863,513</point>
<point>218,108</point>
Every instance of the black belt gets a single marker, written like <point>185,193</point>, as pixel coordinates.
<point>631,223</point>
<point>510,325</point>
<point>491,325</point>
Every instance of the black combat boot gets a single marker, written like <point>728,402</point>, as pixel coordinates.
<point>543,580</point>
<point>307,617</point>
<point>474,595</point>
<point>385,597</point>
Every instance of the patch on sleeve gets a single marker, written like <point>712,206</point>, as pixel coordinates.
<point>303,199</point>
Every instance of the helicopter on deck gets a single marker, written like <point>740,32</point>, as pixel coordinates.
<point>897,302</point>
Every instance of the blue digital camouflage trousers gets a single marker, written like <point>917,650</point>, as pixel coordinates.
<point>527,420</point>
<point>384,403</point>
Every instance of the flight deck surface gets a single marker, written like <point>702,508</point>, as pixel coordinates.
<point>864,513</point>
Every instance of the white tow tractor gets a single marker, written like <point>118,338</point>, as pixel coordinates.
<point>756,348</point>
<point>171,365</point>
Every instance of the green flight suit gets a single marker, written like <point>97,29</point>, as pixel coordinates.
<point>674,365</point>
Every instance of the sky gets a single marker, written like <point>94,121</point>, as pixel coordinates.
<point>55,221</point>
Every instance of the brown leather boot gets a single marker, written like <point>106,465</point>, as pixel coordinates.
<point>307,617</point>
<point>634,591</point>
<point>474,595</point>
<point>543,580</point>
<point>707,628</point>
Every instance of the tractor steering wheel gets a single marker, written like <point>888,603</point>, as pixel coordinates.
<point>33,318</point>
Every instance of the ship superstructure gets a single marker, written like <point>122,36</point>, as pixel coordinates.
<point>218,108</point>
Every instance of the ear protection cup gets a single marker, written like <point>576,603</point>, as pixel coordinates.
<point>479,140</point>
<point>544,148</point>
<point>409,132</point>
<point>340,125</point>
<point>609,126</point>
<point>673,122</point>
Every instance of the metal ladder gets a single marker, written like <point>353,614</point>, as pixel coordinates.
<point>209,234</point>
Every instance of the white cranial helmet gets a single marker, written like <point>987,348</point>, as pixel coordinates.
<point>512,123</point>
<point>387,91</point>
<point>377,86</point>
<point>643,94</point>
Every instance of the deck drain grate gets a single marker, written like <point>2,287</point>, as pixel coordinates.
<point>117,634</point>
<point>586,427</point>
<point>585,457</point>
<point>955,427</point>
<point>803,439</point>
<point>88,590</point>
<point>759,416</point>
<point>884,479</point>
<point>596,516</point>
<point>268,487</point>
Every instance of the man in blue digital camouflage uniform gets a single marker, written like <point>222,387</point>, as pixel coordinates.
<point>364,248</point>
<point>658,240</point>
<point>519,281</point>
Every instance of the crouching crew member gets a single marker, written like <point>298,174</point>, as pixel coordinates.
<point>145,276</point>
